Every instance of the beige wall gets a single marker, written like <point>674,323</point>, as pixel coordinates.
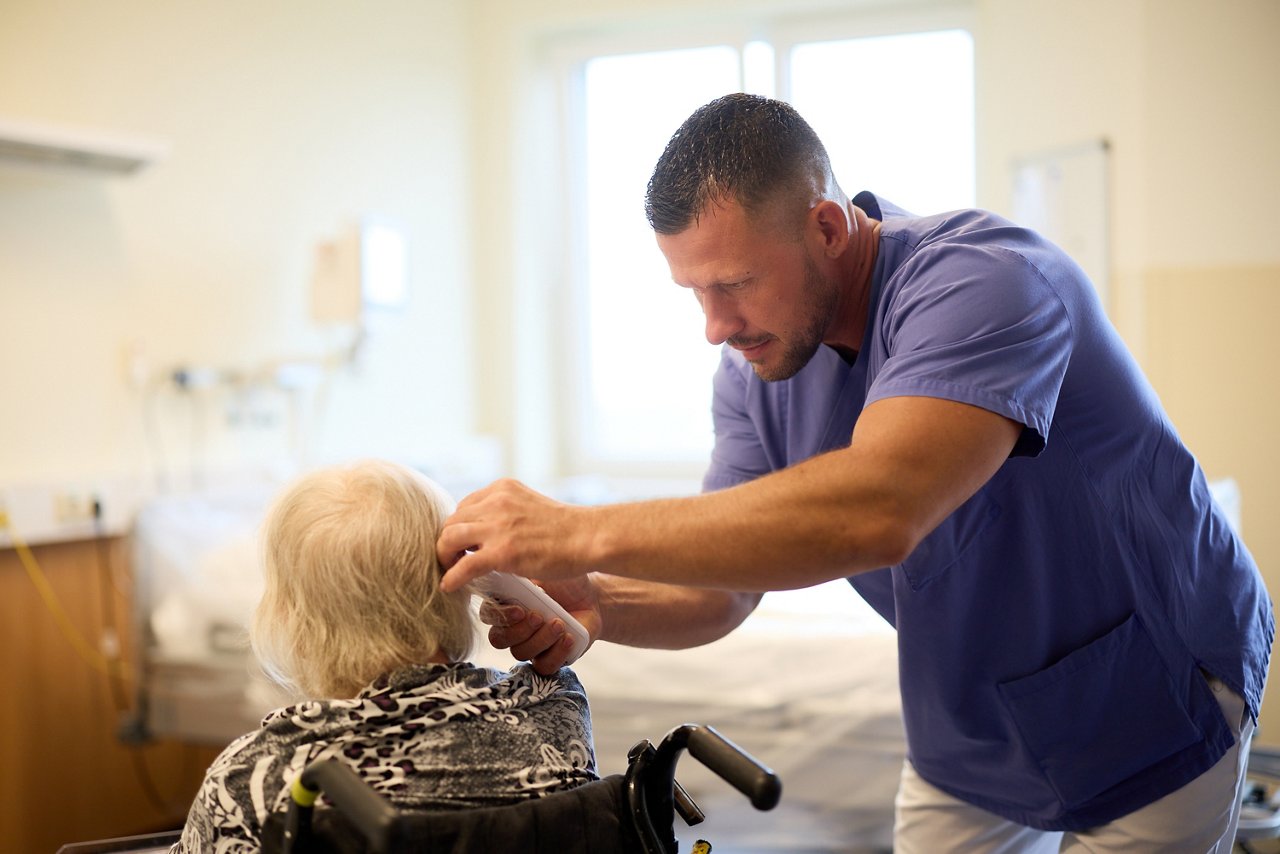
<point>284,121</point>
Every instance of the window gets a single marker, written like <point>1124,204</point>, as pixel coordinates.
<point>640,364</point>
<point>909,134</point>
<point>640,329</point>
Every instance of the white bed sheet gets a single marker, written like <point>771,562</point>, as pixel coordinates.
<point>812,696</point>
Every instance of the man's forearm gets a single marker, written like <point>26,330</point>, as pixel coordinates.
<point>665,616</point>
<point>794,528</point>
<point>912,462</point>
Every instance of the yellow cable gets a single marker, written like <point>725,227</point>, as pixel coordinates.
<point>95,659</point>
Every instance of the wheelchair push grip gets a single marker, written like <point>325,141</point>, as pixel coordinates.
<point>737,767</point>
<point>371,813</point>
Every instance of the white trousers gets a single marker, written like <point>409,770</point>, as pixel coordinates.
<point>1201,816</point>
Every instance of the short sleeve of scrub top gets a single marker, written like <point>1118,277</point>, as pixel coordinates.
<point>954,325</point>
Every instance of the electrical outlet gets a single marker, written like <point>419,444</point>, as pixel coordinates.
<point>68,510</point>
<point>71,507</point>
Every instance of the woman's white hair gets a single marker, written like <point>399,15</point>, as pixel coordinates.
<point>353,583</point>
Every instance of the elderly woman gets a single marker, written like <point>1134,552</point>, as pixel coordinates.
<point>353,618</point>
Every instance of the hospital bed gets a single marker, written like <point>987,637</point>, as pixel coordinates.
<point>808,684</point>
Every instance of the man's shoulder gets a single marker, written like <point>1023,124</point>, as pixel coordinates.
<point>955,228</point>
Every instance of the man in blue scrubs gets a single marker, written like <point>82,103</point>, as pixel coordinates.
<point>937,409</point>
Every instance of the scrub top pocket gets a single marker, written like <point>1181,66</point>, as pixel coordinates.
<point>1115,708</point>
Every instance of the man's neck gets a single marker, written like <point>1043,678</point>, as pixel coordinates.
<point>864,247</point>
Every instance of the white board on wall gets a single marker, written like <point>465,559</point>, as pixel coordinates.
<point>1064,194</point>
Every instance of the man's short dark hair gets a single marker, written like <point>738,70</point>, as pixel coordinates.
<point>738,147</point>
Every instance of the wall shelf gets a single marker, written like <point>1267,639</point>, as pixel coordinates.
<point>95,151</point>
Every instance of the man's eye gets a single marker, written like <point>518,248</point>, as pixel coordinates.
<point>731,287</point>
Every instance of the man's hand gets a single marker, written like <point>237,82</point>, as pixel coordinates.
<point>508,527</point>
<point>531,638</point>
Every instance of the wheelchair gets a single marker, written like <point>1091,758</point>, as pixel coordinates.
<point>631,813</point>
<point>625,813</point>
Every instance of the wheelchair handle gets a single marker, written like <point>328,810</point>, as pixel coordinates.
<point>733,764</point>
<point>371,813</point>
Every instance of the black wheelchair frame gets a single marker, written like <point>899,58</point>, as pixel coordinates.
<point>631,813</point>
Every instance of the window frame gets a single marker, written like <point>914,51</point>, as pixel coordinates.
<point>566,55</point>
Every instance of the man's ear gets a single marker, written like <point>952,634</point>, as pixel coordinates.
<point>829,224</point>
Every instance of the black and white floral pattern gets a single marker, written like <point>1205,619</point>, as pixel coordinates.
<point>433,737</point>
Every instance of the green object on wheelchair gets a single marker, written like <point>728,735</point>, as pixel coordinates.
<point>302,796</point>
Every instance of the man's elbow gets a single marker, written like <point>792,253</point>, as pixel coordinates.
<point>898,548</point>
<point>889,541</point>
<point>721,612</point>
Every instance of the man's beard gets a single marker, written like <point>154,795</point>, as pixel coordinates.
<point>821,300</point>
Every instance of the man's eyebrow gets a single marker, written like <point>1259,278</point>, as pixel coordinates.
<point>718,283</point>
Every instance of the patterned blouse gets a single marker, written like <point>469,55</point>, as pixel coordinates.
<point>437,737</point>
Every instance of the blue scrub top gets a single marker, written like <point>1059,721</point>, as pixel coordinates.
<point>1052,630</point>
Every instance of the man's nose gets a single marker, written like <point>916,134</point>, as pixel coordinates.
<point>723,321</point>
